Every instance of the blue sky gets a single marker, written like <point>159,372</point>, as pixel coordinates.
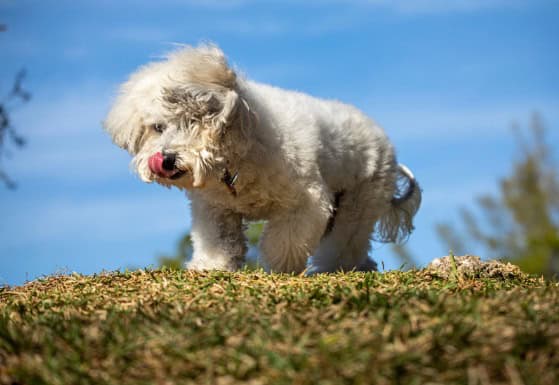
<point>446,79</point>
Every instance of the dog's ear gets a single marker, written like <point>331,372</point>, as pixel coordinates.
<point>207,108</point>
<point>124,125</point>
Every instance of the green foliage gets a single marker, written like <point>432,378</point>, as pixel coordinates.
<point>253,232</point>
<point>184,253</point>
<point>184,248</point>
<point>521,223</point>
<point>182,327</point>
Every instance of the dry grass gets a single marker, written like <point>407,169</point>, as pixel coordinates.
<point>178,327</point>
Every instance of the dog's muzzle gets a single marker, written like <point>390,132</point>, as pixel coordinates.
<point>164,166</point>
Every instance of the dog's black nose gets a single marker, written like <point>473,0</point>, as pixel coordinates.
<point>169,162</point>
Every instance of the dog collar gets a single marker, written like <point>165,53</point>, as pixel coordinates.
<point>230,180</point>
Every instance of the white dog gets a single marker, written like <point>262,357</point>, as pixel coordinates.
<point>322,174</point>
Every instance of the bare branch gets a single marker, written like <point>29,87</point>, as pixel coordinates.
<point>7,131</point>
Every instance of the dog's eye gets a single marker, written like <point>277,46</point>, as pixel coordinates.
<point>158,127</point>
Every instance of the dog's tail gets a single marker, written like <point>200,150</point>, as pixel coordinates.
<point>397,223</point>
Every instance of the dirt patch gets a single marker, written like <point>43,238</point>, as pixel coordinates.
<point>473,266</point>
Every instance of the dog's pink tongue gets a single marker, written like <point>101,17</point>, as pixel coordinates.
<point>155,163</point>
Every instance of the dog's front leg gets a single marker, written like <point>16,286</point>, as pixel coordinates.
<point>217,236</point>
<point>291,236</point>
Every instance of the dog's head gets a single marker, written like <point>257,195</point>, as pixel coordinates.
<point>182,119</point>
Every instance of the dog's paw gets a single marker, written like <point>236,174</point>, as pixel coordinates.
<point>368,265</point>
<point>204,264</point>
<point>314,270</point>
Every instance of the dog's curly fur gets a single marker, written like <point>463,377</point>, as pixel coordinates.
<point>322,174</point>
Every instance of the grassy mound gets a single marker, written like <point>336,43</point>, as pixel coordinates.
<point>177,327</point>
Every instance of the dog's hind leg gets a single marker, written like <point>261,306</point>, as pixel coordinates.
<point>291,236</point>
<point>345,246</point>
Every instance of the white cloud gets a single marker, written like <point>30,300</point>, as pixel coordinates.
<point>142,34</point>
<point>328,16</point>
<point>320,23</point>
<point>428,120</point>
<point>402,6</point>
<point>349,14</point>
<point>65,111</point>
<point>123,217</point>
<point>90,160</point>
<point>446,197</point>
<point>65,136</point>
<point>441,6</point>
<point>209,4</point>
<point>75,52</point>
<point>273,72</point>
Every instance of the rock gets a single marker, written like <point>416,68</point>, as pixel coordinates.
<point>472,266</point>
